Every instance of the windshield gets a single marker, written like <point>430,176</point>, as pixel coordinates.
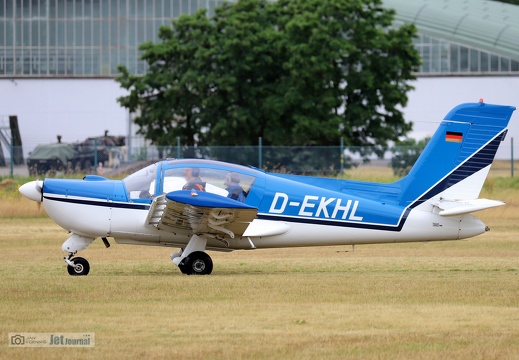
<point>141,185</point>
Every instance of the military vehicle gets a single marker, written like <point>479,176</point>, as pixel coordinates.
<point>50,157</point>
<point>77,157</point>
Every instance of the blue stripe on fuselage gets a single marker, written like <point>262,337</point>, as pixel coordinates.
<point>96,202</point>
<point>338,223</point>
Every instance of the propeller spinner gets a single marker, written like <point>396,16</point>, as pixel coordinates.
<point>33,190</point>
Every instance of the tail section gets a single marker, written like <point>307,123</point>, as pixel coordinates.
<point>456,161</point>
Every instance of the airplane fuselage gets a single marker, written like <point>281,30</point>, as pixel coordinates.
<point>297,215</point>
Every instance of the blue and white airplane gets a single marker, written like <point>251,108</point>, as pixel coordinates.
<point>198,205</point>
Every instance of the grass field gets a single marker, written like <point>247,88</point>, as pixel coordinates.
<point>454,299</point>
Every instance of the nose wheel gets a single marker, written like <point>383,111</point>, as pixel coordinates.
<point>78,266</point>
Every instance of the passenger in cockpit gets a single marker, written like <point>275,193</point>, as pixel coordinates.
<point>232,181</point>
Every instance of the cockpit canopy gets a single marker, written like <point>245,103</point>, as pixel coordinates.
<point>226,180</point>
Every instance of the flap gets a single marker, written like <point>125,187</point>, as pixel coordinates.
<point>201,213</point>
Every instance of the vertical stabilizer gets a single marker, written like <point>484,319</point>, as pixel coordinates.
<point>456,161</point>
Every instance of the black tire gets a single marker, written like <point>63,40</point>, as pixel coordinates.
<point>197,263</point>
<point>182,267</point>
<point>82,267</point>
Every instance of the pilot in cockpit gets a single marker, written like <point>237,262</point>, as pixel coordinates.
<point>192,176</point>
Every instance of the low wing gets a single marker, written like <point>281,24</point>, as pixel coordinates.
<point>459,207</point>
<point>200,213</point>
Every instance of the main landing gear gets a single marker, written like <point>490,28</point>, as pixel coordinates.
<point>193,260</point>
<point>197,263</point>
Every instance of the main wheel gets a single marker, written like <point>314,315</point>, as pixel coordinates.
<point>81,268</point>
<point>197,263</point>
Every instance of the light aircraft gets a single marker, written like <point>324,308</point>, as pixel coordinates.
<point>198,205</point>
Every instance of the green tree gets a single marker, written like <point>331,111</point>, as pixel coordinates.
<point>513,2</point>
<point>169,97</point>
<point>295,72</point>
<point>247,61</point>
<point>364,67</point>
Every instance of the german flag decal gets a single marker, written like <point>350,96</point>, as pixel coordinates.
<point>452,136</point>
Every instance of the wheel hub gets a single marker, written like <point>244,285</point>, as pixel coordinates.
<point>198,266</point>
<point>78,268</point>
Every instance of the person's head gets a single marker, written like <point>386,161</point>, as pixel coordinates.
<point>191,173</point>
<point>232,178</point>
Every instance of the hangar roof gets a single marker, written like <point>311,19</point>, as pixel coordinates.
<point>488,25</point>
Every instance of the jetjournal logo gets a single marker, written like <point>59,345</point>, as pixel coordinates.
<point>51,339</point>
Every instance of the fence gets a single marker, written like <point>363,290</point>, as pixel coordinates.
<point>316,160</point>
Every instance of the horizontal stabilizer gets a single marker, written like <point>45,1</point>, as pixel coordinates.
<point>451,208</point>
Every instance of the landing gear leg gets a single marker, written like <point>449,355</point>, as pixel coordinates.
<point>78,266</point>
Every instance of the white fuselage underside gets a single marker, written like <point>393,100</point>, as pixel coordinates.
<point>127,225</point>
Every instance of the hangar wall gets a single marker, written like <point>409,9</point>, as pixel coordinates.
<point>433,97</point>
<point>73,108</point>
<point>79,108</point>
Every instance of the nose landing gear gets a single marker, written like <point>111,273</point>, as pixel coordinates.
<point>78,266</point>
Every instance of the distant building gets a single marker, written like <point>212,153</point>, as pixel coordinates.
<point>58,58</point>
<point>82,38</point>
<point>469,50</point>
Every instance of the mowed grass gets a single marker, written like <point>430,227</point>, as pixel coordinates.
<point>456,299</point>
<point>429,301</point>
